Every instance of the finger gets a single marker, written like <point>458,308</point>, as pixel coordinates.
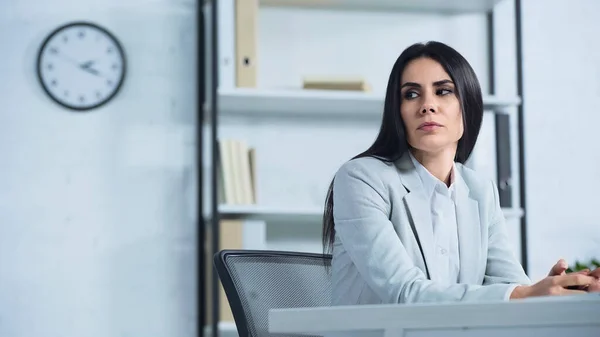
<point>574,279</point>
<point>559,268</point>
<point>572,292</point>
<point>583,271</point>
<point>595,273</point>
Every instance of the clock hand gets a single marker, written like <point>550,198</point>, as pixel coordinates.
<point>87,65</point>
<point>68,59</point>
<point>91,71</point>
<point>84,66</point>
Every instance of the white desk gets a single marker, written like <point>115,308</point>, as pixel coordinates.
<point>573,316</point>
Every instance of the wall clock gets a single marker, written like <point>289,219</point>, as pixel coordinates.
<point>81,66</point>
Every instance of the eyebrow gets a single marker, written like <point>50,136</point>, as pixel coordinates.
<point>417,85</point>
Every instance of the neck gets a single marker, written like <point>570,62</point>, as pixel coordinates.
<point>439,164</point>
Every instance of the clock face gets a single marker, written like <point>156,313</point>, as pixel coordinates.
<point>81,66</point>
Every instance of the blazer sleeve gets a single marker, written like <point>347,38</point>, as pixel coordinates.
<point>361,215</point>
<point>502,264</point>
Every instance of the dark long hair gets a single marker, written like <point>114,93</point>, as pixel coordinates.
<point>391,142</point>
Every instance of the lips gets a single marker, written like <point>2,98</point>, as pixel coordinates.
<point>429,125</point>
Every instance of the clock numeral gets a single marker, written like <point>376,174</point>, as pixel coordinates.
<point>54,83</point>
<point>54,50</point>
<point>81,34</point>
<point>98,94</point>
<point>65,39</point>
<point>66,93</point>
<point>81,99</point>
<point>50,66</point>
<point>115,66</point>
<point>109,82</point>
<point>109,50</point>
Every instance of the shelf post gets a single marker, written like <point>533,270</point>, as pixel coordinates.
<point>521,133</point>
<point>201,226</point>
<point>214,162</point>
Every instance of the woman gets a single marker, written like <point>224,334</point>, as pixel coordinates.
<point>407,221</point>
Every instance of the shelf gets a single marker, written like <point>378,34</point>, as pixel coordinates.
<point>271,214</point>
<point>303,215</point>
<point>324,103</point>
<point>430,6</point>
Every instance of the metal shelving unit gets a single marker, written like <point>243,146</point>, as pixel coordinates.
<point>355,105</point>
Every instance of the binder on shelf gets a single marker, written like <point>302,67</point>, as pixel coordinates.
<point>246,31</point>
<point>236,172</point>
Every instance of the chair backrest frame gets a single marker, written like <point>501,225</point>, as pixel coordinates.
<point>224,272</point>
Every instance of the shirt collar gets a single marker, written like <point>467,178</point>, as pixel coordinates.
<point>430,182</point>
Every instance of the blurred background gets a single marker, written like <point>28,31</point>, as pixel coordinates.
<point>115,189</point>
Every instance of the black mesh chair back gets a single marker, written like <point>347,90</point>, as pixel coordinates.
<point>257,281</point>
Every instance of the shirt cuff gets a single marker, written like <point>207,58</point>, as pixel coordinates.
<point>509,291</point>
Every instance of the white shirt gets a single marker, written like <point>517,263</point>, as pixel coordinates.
<point>442,200</point>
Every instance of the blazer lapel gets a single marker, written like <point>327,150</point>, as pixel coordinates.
<point>469,233</point>
<point>419,213</point>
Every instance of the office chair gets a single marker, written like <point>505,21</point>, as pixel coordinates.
<point>256,281</point>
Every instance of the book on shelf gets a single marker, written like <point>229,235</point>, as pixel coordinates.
<point>336,83</point>
<point>236,172</point>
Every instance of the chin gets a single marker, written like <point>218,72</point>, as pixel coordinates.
<point>433,145</point>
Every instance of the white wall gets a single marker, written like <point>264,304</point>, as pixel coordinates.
<point>562,93</point>
<point>96,225</point>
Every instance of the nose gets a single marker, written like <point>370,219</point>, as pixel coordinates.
<point>428,107</point>
<point>428,103</point>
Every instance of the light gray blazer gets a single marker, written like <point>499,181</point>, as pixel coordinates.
<point>383,249</point>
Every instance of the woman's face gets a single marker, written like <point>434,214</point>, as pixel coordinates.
<point>430,107</point>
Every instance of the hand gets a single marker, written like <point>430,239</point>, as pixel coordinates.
<point>87,66</point>
<point>560,269</point>
<point>555,286</point>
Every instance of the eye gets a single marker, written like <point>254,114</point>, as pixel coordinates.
<point>410,94</point>
<point>443,92</point>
